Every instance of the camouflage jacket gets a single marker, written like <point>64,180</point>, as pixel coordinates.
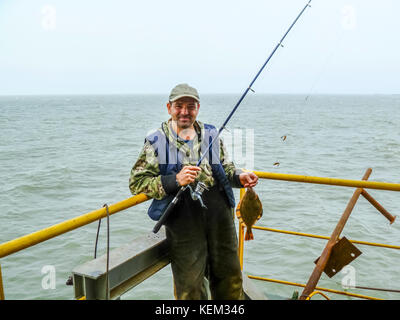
<point>145,175</point>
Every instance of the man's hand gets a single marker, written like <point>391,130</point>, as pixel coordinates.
<point>187,175</point>
<point>248,179</point>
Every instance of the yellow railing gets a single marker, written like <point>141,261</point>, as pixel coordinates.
<point>241,233</point>
<point>360,184</point>
<point>34,238</point>
<point>318,292</point>
<point>390,246</point>
<point>329,181</point>
<point>345,293</point>
<point>29,240</point>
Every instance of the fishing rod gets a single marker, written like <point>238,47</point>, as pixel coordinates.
<point>196,195</point>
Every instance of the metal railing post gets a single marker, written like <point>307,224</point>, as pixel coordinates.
<point>1,286</point>
<point>319,268</point>
<point>378,207</point>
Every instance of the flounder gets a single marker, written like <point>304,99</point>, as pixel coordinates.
<point>250,210</point>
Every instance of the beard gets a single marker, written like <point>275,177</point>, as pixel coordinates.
<point>185,122</point>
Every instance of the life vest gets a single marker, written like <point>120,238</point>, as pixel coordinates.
<point>170,162</point>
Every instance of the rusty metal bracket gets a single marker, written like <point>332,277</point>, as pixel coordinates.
<point>343,253</point>
<point>378,207</point>
<point>320,266</point>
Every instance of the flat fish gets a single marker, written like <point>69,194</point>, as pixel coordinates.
<point>250,210</point>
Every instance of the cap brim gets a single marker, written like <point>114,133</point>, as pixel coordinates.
<point>185,95</point>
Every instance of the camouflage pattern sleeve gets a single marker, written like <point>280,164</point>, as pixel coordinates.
<point>145,175</point>
<point>230,170</point>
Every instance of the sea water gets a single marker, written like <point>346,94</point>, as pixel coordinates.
<point>63,156</point>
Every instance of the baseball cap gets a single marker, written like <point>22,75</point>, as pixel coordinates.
<point>183,90</point>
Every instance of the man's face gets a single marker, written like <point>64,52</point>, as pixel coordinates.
<point>184,111</point>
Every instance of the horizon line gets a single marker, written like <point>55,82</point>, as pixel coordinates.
<point>205,93</point>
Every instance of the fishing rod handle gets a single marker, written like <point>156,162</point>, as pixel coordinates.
<point>167,211</point>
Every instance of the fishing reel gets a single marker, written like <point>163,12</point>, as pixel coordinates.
<point>198,192</point>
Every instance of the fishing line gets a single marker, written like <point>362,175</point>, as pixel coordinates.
<point>322,71</point>
<point>183,188</point>
<point>329,59</point>
<point>325,64</point>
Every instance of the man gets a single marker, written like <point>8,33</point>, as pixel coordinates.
<point>202,235</point>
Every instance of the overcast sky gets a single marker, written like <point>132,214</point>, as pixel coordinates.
<point>129,46</point>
